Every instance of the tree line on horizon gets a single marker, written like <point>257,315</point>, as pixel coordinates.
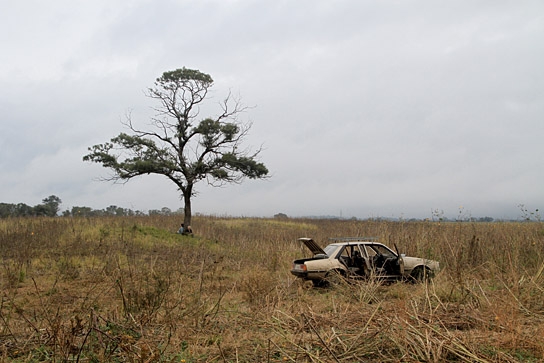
<point>50,207</point>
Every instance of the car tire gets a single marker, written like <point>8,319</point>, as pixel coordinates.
<point>319,283</point>
<point>335,278</point>
<point>421,274</point>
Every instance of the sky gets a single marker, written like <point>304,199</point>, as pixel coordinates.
<point>363,108</point>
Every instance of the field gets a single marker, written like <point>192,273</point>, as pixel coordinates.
<point>131,290</point>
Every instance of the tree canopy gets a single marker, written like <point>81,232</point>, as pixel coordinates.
<point>181,145</point>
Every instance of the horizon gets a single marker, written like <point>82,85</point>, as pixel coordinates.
<point>524,214</point>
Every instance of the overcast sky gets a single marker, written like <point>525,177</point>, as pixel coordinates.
<point>363,108</point>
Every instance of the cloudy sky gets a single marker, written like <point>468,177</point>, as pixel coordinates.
<point>364,108</point>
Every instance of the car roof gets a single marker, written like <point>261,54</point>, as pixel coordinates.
<point>367,243</point>
<point>354,239</point>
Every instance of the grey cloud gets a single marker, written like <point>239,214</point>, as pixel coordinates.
<point>363,107</point>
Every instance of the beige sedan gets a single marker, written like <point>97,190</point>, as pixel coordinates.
<point>360,258</point>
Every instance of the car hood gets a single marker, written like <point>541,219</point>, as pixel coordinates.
<point>312,246</point>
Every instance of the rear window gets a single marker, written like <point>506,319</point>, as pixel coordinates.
<point>329,250</point>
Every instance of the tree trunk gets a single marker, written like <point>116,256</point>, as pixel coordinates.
<point>187,208</point>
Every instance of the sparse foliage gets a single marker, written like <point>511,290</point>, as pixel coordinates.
<point>528,215</point>
<point>181,146</point>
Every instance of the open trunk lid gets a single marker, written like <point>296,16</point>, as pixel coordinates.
<point>312,246</point>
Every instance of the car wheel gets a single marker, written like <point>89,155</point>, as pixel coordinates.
<point>318,283</point>
<point>421,274</point>
<point>335,278</point>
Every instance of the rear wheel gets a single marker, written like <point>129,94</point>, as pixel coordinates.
<point>335,278</point>
<point>319,283</point>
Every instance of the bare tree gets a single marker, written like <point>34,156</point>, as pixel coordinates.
<point>178,145</point>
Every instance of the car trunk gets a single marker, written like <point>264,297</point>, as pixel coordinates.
<point>312,246</point>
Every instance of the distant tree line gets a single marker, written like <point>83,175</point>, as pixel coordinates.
<point>50,207</point>
<point>116,211</point>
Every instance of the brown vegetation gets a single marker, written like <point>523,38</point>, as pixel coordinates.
<point>131,290</point>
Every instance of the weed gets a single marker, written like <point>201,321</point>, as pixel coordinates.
<point>131,289</point>
<point>68,268</point>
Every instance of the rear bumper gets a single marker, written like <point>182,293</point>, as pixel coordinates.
<point>311,275</point>
<point>301,274</point>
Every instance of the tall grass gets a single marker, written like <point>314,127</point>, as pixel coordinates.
<point>130,289</point>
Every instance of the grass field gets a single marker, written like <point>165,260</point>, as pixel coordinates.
<point>131,290</point>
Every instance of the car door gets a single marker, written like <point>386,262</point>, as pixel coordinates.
<point>387,261</point>
<point>400,261</point>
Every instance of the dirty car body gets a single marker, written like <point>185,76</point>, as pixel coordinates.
<point>360,258</point>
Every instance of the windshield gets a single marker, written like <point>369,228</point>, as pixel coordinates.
<point>329,250</point>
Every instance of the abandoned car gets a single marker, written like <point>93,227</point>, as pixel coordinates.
<point>360,258</point>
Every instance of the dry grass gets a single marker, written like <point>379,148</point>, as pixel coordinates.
<point>131,290</point>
